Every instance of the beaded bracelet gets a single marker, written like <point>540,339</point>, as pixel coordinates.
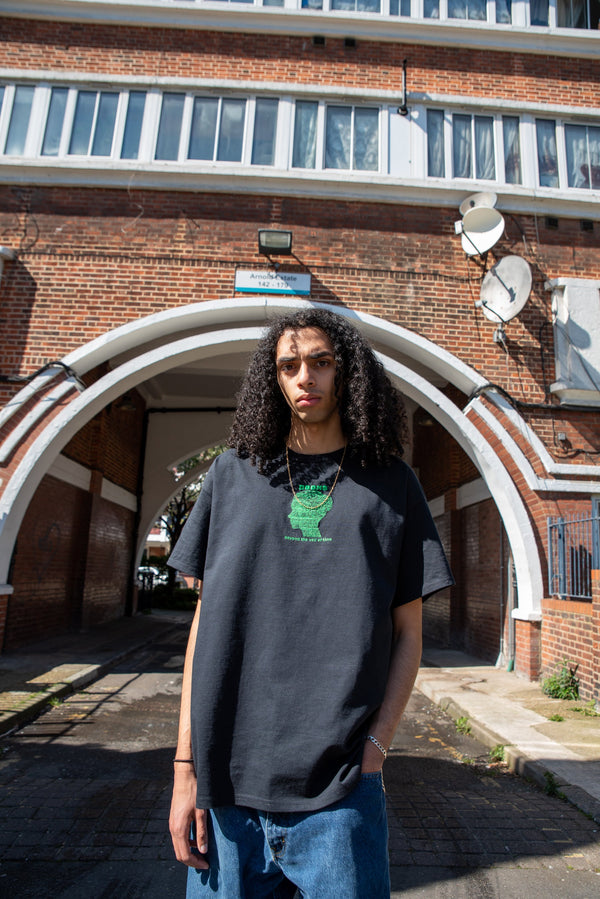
<point>379,745</point>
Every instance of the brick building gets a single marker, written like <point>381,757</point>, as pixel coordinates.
<point>143,145</point>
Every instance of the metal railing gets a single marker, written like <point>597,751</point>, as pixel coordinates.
<point>573,552</point>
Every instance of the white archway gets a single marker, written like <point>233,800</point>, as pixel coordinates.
<point>132,339</point>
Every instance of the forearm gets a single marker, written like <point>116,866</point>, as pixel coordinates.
<point>184,738</point>
<point>404,664</point>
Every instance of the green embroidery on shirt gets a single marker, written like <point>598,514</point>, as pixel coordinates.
<point>307,512</point>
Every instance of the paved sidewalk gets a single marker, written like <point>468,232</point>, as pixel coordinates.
<point>500,708</point>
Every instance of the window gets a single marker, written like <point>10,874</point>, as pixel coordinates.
<point>400,8</point>
<point>583,156</point>
<point>265,132</point>
<point>217,130</point>
<point>504,12</point>
<point>93,124</point>
<point>54,122</point>
<point>468,9</point>
<point>304,153</point>
<point>473,139</point>
<point>352,138</point>
<point>546,153</point>
<point>481,146</point>
<point>512,150</point>
<point>19,121</point>
<point>169,127</point>
<point>436,165</point>
<point>136,105</point>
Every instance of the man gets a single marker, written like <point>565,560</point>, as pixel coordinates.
<point>315,546</point>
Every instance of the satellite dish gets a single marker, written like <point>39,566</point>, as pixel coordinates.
<point>482,227</point>
<point>505,289</point>
<point>482,199</point>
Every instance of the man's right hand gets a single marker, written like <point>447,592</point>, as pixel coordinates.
<point>186,819</point>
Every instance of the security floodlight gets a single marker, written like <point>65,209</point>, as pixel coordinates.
<point>275,243</point>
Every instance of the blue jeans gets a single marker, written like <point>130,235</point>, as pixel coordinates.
<point>337,851</point>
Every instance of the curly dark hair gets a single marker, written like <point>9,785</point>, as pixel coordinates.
<point>371,409</point>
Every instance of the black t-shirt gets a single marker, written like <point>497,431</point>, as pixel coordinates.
<point>295,629</point>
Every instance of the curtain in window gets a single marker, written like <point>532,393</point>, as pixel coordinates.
<point>431,9</point>
<point>204,128</point>
<point>467,9</point>
<point>571,14</point>
<point>485,163</point>
<point>594,145</point>
<point>312,4</point>
<point>169,127</point>
<point>337,137</point>
<point>265,128</point>
<point>348,5</point>
<point>105,125</point>
<point>546,152</point>
<point>367,5</point>
<point>461,146</point>
<point>82,123</point>
<point>133,125</point>
<point>504,12</point>
<point>512,150</point>
<point>436,165</point>
<point>231,132</point>
<point>538,12</point>
<point>304,152</point>
<point>54,122</point>
<point>366,140</point>
<point>578,170</point>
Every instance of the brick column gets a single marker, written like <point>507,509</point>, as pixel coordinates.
<point>596,634</point>
<point>528,639</point>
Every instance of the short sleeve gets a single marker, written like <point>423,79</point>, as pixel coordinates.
<point>423,567</point>
<point>189,554</point>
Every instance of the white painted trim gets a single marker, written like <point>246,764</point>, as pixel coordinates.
<point>85,405</point>
<point>118,495</point>
<point>161,325</point>
<point>472,493</point>
<point>228,178</point>
<point>71,472</point>
<point>533,481</point>
<point>510,505</point>
<point>554,468</point>
<point>8,446</point>
<point>437,506</point>
<point>454,33</point>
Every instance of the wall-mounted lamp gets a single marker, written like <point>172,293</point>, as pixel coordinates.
<point>5,254</point>
<point>275,243</point>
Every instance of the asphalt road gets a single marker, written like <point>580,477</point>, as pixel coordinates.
<point>84,797</point>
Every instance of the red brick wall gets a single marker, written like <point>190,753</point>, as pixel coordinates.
<point>48,565</point>
<point>62,580</point>
<point>107,574</point>
<point>437,609</point>
<point>483,587</point>
<point>568,636</point>
<point>196,54</point>
<point>112,443</point>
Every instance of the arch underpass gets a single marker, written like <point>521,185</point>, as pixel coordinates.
<point>202,339</point>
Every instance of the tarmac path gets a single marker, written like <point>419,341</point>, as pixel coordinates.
<point>85,791</point>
